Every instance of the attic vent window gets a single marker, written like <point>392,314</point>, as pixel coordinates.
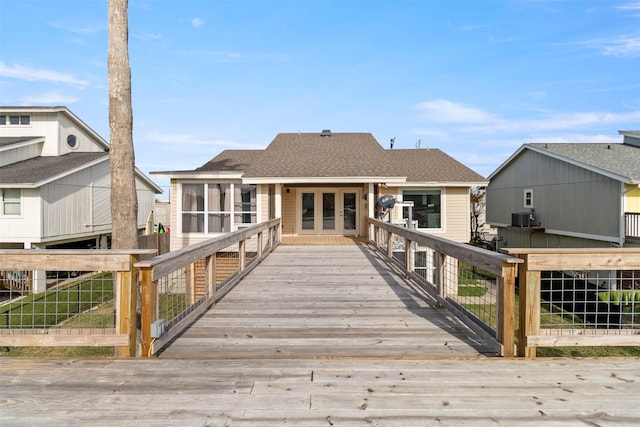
<point>326,132</point>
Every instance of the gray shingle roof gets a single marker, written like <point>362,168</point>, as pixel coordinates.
<point>306,155</point>
<point>618,159</point>
<point>38,169</point>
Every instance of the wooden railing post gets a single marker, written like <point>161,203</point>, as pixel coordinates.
<point>190,283</point>
<point>259,254</point>
<point>408,257</point>
<point>149,308</point>
<point>440,274</point>
<point>242,255</point>
<point>505,310</point>
<point>529,325</point>
<point>126,319</point>
<point>211,276</point>
<point>389,245</point>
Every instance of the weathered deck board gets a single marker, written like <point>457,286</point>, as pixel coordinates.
<point>453,392</point>
<point>322,350</point>
<point>336,301</point>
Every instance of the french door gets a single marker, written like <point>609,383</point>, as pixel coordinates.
<point>328,211</point>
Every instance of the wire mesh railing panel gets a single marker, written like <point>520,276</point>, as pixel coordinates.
<point>227,263</point>
<point>473,289</point>
<point>599,301</point>
<point>424,264</point>
<point>172,295</point>
<point>59,301</point>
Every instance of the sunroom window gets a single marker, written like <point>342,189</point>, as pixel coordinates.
<point>11,201</point>
<point>426,207</point>
<point>217,207</point>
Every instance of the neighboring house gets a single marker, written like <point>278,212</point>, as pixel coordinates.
<point>320,184</point>
<point>55,181</point>
<point>568,195</point>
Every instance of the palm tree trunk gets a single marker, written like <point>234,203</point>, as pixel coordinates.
<point>124,202</point>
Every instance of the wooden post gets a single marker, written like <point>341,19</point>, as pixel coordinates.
<point>389,245</point>
<point>211,275</point>
<point>126,319</point>
<point>529,308</point>
<point>505,310</point>
<point>242,254</point>
<point>408,257</point>
<point>149,303</point>
<point>259,254</point>
<point>190,284</point>
<point>440,274</point>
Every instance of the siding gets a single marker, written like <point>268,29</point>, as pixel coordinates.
<point>632,199</point>
<point>565,197</point>
<point>289,211</point>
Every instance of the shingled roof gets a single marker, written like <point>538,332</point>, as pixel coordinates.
<point>332,155</point>
<point>618,159</point>
<point>40,169</point>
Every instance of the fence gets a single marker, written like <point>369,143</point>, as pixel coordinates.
<point>178,286</point>
<point>478,285</point>
<point>578,297</point>
<point>632,224</point>
<point>87,298</point>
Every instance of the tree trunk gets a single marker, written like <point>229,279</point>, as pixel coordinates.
<point>124,201</point>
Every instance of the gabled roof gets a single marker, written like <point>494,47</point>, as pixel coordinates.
<point>40,170</point>
<point>617,161</point>
<point>9,142</point>
<point>334,156</point>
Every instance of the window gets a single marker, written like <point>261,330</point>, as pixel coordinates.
<point>11,201</point>
<point>19,120</point>
<point>528,198</point>
<point>426,207</point>
<point>217,208</point>
<point>3,120</point>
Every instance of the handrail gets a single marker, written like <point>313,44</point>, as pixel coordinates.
<point>503,266</point>
<point>538,260</point>
<point>120,262</point>
<point>160,267</point>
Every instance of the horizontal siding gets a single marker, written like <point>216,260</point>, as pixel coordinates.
<point>565,197</point>
<point>456,214</point>
<point>289,211</point>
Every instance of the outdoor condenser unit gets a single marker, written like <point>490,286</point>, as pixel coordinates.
<point>523,219</point>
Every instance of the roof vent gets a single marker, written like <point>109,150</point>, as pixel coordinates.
<point>326,132</point>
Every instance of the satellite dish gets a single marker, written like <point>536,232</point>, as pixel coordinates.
<point>387,201</point>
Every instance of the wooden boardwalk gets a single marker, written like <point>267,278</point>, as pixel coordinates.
<point>322,336</point>
<point>338,301</point>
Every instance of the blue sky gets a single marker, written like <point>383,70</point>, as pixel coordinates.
<point>476,79</point>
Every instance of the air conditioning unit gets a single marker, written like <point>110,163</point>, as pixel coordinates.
<point>523,219</point>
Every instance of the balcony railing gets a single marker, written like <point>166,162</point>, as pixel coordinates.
<point>632,224</point>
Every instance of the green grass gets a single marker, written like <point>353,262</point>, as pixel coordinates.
<point>487,313</point>
<point>50,308</point>
<point>64,352</point>
<point>472,291</point>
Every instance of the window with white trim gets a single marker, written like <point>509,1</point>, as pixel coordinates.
<point>11,201</point>
<point>528,198</point>
<point>427,209</point>
<point>217,207</point>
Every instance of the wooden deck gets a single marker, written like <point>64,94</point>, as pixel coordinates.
<point>338,301</point>
<point>322,336</point>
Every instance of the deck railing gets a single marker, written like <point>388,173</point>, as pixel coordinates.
<point>178,286</point>
<point>477,285</point>
<point>72,298</point>
<point>578,297</point>
<point>632,224</point>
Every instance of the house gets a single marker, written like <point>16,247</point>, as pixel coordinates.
<point>321,184</point>
<point>568,195</point>
<point>55,181</point>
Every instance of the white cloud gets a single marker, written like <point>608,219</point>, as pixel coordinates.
<point>197,22</point>
<point>181,139</point>
<point>624,46</point>
<point>444,111</point>
<point>21,72</point>
<point>476,120</point>
<point>635,6</point>
<point>50,98</point>
<point>80,28</point>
